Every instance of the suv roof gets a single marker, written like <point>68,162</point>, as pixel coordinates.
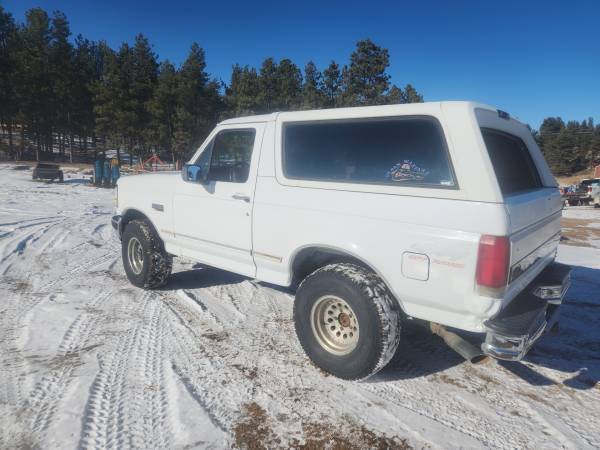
<point>406,108</point>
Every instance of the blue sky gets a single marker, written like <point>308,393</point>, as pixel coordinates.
<point>531,58</point>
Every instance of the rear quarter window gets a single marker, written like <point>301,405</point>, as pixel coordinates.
<point>395,151</point>
<point>513,165</point>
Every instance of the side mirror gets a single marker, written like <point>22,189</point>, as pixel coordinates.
<point>193,173</point>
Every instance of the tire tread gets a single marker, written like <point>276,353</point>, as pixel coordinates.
<point>373,288</point>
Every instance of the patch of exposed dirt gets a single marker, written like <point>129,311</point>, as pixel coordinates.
<point>254,432</point>
<point>444,378</point>
<point>216,337</point>
<point>578,232</point>
<point>18,286</point>
<point>327,436</point>
<point>575,178</point>
<point>250,373</point>
<point>533,396</point>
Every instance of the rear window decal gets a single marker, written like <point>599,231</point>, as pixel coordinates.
<point>407,170</point>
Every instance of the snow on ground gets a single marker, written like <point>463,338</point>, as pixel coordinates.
<point>212,361</point>
<point>583,213</point>
<point>581,226</point>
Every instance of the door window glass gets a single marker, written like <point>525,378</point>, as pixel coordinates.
<point>231,155</point>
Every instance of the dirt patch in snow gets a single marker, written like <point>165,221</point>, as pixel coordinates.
<point>579,232</point>
<point>255,432</point>
<point>320,436</point>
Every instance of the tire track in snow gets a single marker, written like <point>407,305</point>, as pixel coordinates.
<point>74,272</point>
<point>12,362</point>
<point>128,404</point>
<point>18,306</point>
<point>203,369</point>
<point>23,238</point>
<point>106,422</point>
<point>49,392</point>
<point>151,396</point>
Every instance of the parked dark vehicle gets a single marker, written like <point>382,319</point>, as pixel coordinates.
<point>45,171</point>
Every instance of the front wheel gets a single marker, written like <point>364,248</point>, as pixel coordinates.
<point>146,263</point>
<point>347,321</point>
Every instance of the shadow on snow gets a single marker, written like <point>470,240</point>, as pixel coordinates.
<point>574,349</point>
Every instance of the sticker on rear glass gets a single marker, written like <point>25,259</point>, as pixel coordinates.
<point>406,171</point>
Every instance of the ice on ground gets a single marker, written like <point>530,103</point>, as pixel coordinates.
<point>212,360</point>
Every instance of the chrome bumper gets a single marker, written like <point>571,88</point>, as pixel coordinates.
<point>511,333</point>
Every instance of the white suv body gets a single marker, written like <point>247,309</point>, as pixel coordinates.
<point>312,187</point>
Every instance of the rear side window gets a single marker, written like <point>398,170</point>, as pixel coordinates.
<point>396,151</point>
<point>513,165</point>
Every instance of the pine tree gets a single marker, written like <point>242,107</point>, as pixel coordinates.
<point>35,93</point>
<point>9,80</point>
<point>88,67</point>
<point>163,107</point>
<point>199,103</point>
<point>142,78</point>
<point>269,92</point>
<point>312,90</point>
<point>332,84</point>
<point>108,98</point>
<point>367,80</point>
<point>411,95</point>
<point>125,105</point>
<point>289,86</point>
<point>243,93</point>
<point>62,78</point>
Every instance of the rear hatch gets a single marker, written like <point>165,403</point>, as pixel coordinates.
<point>533,203</point>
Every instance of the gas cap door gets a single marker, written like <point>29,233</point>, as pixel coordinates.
<point>415,266</point>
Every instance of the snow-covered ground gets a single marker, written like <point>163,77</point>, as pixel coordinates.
<point>87,360</point>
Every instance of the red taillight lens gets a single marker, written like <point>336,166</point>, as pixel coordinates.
<point>492,261</point>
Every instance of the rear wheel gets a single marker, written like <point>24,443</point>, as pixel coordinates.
<point>347,321</point>
<point>146,263</point>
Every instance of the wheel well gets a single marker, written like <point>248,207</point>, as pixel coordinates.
<point>312,258</point>
<point>134,214</point>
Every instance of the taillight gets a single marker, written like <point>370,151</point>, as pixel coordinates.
<point>492,261</point>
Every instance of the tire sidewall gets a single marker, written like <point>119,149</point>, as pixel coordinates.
<point>133,230</point>
<point>361,361</point>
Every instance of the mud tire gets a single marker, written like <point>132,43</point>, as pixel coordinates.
<point>378,314</point>
<point>157,263</point>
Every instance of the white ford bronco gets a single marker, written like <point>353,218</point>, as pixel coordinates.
<point>442,213</point>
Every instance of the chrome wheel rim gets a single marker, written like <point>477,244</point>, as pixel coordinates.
<point>334,325</point>
<point>135,255</point>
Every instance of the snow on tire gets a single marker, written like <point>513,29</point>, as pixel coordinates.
<point>146,263</point>
<point>347,321</point>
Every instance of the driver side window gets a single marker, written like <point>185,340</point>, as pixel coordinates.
<point>230,156</point>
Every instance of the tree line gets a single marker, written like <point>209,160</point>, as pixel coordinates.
<point>63,95</point>
<point>69,96</point>
<point>569,147</point>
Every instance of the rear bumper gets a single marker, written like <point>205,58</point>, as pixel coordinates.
<point>514,330</point>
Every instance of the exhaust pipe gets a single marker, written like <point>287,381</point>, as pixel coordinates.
<point>458,344</point>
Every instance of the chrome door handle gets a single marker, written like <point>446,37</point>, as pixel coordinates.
<point>241,197</point>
